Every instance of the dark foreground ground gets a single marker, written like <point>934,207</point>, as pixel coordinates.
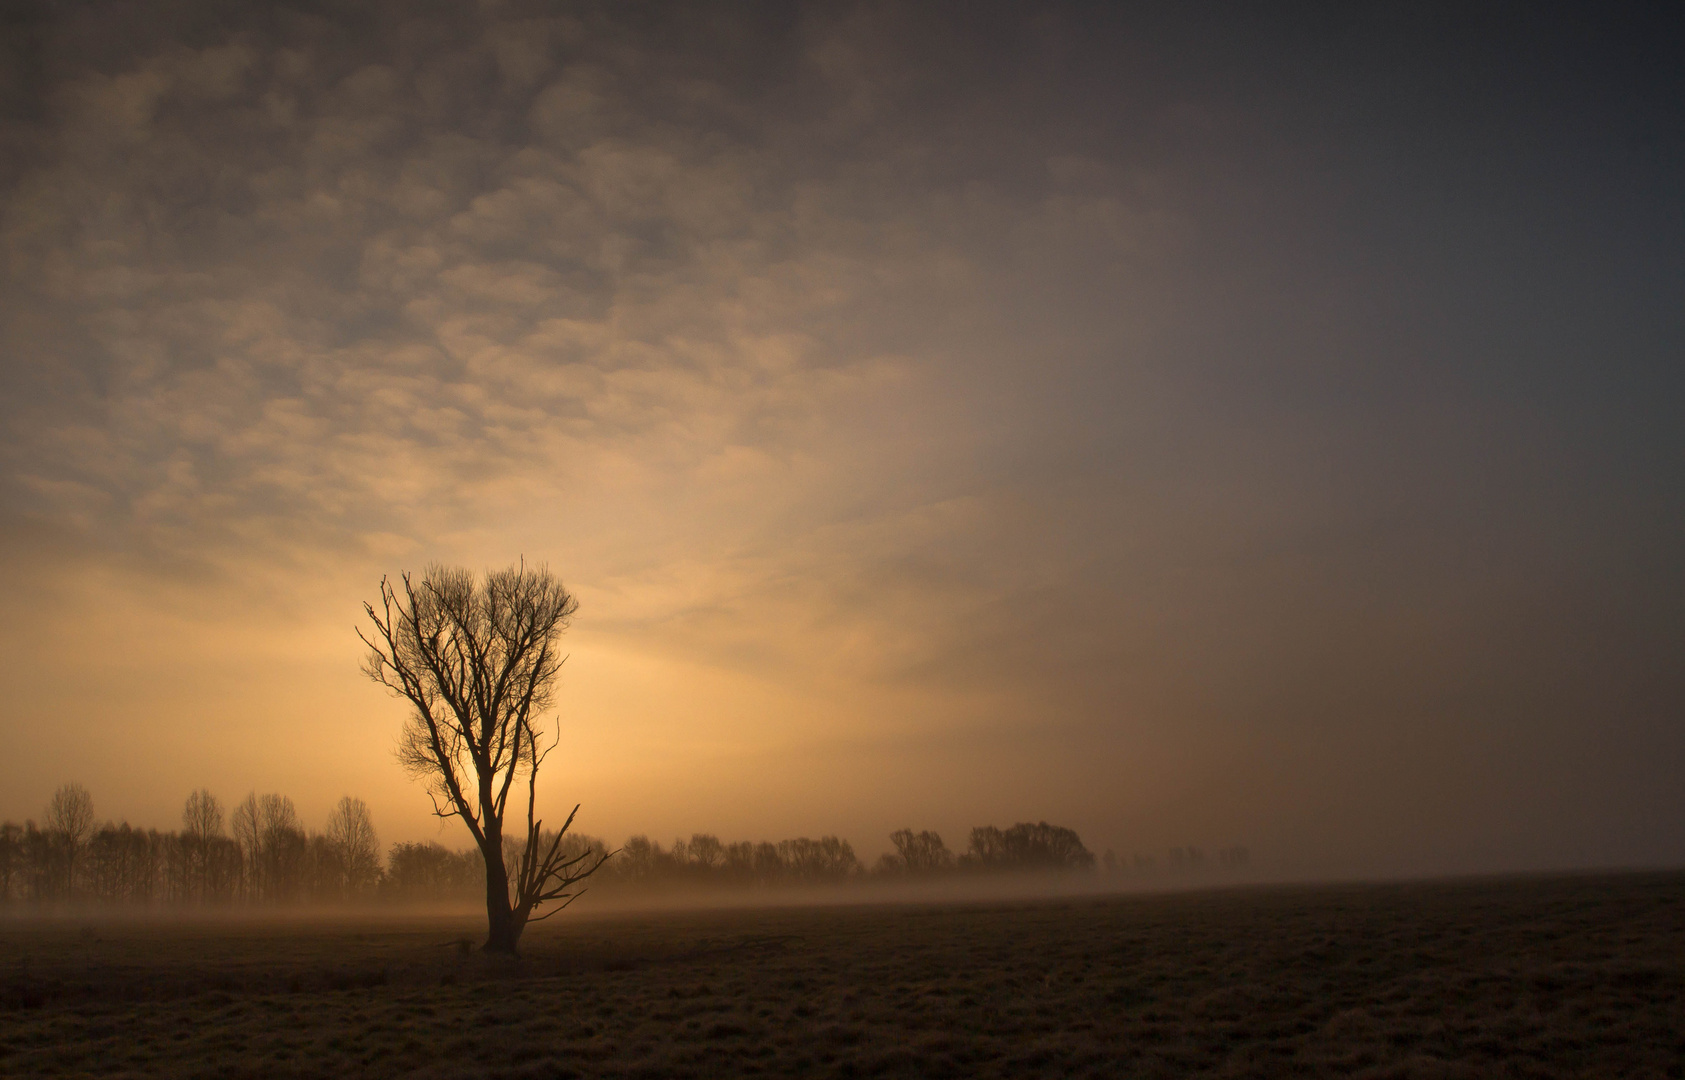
<point>1518,978</point>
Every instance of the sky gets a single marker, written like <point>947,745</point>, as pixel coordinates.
<point>1182,424</point>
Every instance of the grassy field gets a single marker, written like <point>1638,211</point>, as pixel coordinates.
<point>1580,976</point>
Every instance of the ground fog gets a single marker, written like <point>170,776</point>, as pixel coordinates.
<point>1545,977</point>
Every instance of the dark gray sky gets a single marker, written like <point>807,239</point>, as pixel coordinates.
<point>1187,425</point>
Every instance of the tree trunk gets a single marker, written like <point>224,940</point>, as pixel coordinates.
<point>502,934</point>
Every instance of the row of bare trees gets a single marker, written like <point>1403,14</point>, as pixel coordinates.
<point>1040,846</point>
<point>1025,847</point>
<point>704,859</point>
<point>259,853</point>
<point>431,872</point>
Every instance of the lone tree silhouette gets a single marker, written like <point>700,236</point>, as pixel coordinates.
<point>477,661</point>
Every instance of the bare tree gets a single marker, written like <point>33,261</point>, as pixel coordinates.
<point>1027,846</point>
<point>282,844</point>
<point>826,859</point>
<point>272,845</point>
<point>706,852</point>
<point>921,852</point>
<point>70,815</point>
<point>11,858</point>
<point>201,825</point>
<point>478,662</point>
<point>356,847</point>
<point>244,826</point>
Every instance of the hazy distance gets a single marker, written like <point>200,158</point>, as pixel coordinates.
<point>1188,428</point>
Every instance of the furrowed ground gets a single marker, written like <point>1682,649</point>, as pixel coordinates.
<point>1546,977</point>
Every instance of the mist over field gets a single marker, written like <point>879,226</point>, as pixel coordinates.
<point>1196,429</point>
<point>1556,977</point>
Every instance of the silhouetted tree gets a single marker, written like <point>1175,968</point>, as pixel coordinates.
<point>273,846</point>
<point>243,824</point>
<point>11,860</point>
<point>705,860</point>
<point>43,864</point>
<point>70,816</point>
<point>201,826</point>
<point>706,853</point>
<point>641,860</point>
<point>768,863</point>
<point>123,863</point>
<point>478,662</point>
<point>919,853</point>
<point>825,860</point>
<point>739,862</point>
<point>282,841</point>
<point>418,872</point>
<point>356,848</point>
<point>1027,846</point>
<point>226,870</point>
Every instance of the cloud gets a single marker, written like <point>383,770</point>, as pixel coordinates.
<point>865,355</point>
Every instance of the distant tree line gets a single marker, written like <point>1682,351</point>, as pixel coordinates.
<point>705,860</point>
<point>1025,847</point>
<point>259,853</point>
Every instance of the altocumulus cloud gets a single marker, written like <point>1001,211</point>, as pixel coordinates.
<point>1007,402</point>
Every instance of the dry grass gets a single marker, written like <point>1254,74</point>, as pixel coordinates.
<point>1523,978</point>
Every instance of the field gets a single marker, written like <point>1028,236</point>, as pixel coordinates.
<point>1546,977</point>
